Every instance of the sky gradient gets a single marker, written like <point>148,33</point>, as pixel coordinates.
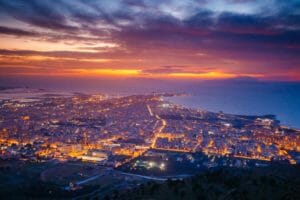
<point>200,39</point>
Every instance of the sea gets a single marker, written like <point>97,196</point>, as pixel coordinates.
<point>242,97</point>
<point>246,98</point>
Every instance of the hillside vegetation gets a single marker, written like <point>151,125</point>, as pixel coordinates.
<point>281,182</point>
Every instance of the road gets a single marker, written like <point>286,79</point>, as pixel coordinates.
<point>145,177</point>
<point>85,181</point>
<point>150,111</point>
<point>159,130</point>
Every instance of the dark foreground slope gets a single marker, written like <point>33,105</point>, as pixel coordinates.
<point>276,182</point>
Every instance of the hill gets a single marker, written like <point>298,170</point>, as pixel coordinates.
<point>276,182</point>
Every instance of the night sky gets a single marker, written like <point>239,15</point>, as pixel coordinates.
<point>171,39</point>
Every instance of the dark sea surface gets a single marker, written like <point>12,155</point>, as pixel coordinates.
<point>247,98</point>
<point>240,96</point>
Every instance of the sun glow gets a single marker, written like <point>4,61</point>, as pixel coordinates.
<point>106,72</point>
<point>206,75</point>
<point>210,75</point>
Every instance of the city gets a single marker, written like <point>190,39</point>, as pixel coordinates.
<point>150,99</point>
<point>80,127</point>
<point>140,136</point>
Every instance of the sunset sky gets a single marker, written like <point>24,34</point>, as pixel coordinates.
<point>171,39</point>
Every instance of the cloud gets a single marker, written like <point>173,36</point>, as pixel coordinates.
<point>17,32</point>
<point>37,13</point>
<point>164,70</point>
<point>165,33</point>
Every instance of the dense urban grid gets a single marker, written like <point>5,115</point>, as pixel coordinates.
<point>92,127</point>
<point>142,135</point>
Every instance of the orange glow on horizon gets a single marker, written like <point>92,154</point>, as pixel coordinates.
<point>206,75</point>
<point>121,72</point>
<point>108,67</point>
<point>106,72</point>
<point>209,75</point>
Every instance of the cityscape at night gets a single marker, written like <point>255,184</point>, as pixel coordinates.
<point>147,99</point>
